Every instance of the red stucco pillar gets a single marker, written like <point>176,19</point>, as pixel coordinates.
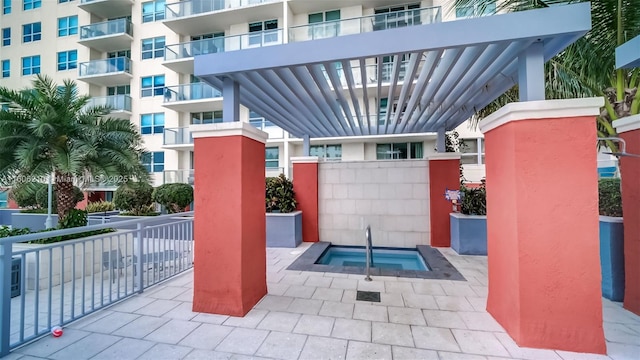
<point>629,130</point>
<point>305,185</point>
<point>229,227</point>
<point>542,224</point>
<point>444,173</point>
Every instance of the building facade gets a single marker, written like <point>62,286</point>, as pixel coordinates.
<point>138,57</point>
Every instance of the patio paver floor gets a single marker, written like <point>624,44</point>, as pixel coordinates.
<point>311,315</point>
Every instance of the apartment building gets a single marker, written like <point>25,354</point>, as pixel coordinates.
<point>138,57</point>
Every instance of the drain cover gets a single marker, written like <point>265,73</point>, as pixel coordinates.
<point>368,296</point>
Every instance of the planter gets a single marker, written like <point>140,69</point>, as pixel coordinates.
<point>468,234</point>
<point>284,229</point>
<point>612,257</point>
<point>34,222</point>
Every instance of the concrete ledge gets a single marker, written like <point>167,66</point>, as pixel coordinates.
<point>628,123</point>
<point>305,160</point>
<point>444,156</point>
<point>236,128</point>
<point>544,109</point>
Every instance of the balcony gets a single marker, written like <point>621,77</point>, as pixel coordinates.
<point>194,17</point>
<point>365,24</point>
<point>195,97</point>
<point>120,105</point>
<point>107,36</point>
<point>107,9</point>
<point>185,176</point>
<point>106,72</point>
<point>274,132</point>
<point>177,139</point>
<point>179,57</point>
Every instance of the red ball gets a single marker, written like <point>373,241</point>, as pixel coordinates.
<point>56,331</point>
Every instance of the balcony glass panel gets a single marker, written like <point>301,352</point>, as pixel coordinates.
<point>112,27</point>
<point>177,136</point>
<point>365,24</point>
<point>185,176</point>
<point>186,92</point>
<point>194,7</point>
<point>115,102</point>
<point>105,66</point>
<point>223,44</point>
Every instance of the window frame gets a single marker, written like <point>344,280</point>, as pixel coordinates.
<point>70,64</point>
<point>117,88</point>
<point>324,151</point>
<point>216,117</point>
<point>409,149</point>
<point>466,12</point>
<point>478,154</point>
<point>154,164</point>
<point>31,4</point>
<point>6,41</point>
<point>157,48</point>
<point>156,15</point>
<point>268,160</point>
<point>258,38</point>
<point>154,89</point>
<point>5,72</point>
<point>33,35</point>
<point>69,29</point>
<point>6,7</point>
<point>156,123</point>
<point>32,67</point>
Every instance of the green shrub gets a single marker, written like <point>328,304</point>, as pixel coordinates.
<point>609,197</point>
<point>133,197</point>
<point>100,206</point>
<point>42,197</point>
<point>280,196</point>
<point>174,197</point>
<point>474,200</point>
<point>36,211</point>
<point>6,231</point>
<point>56,239</point>
<point>25,194</point>
<point>75,218</point>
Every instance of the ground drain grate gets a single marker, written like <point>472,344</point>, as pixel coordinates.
<point>368,296</point>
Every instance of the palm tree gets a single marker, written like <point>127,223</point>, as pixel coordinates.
<point>50,129</point>
<point>587,67</point>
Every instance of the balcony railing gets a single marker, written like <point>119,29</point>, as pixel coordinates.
<point>177,136</point>
<point>188,92</point>
<point>195,7</point>
<point>365,24</point>
<point>274,132</point>
<point>185,176</point>
<point>105,66</point>
<point>115,102</point>
<point>111,27</point>
<point>223,44</point>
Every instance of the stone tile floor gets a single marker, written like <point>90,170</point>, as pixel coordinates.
<point>309,315</point>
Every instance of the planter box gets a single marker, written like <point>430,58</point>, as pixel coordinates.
<point>612,257</point>
<point>34,222</point>
<point>468,234</point>
<point>284,230</point>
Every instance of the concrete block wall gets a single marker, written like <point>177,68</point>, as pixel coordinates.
<point>390,196</point>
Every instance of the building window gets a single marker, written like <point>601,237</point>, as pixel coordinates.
<point>271,157</point>
<point>479,8</point>
<point>263,32</point>
<point>6,7</point>
<point>327,152</point>
<point>472,152</point>
<point>152,85</point>
<point>6,36</point>
<point>151,123</point>
<point>119,53</point>
<point>325,24</point>
<point>31,65</point>
<point>31,4</point>
<point>397,16</point>
<point>6,68</point>
<point>3,199</point>
<point>399,151</point>
<point>153,48</point>
<point>31,32</point>
<point>258,121</point>
<point>67,60</point>
<point>68,26</point>
<point>119,90</point>
<point>64,1</point>
<point>152,11</point>
<point>206,44</point>
<point>207,117</point>
<point>153,161</point>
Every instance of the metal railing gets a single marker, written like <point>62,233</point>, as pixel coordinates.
<point>177,136</point>
<point>187,92</point>
<point>274,131</point>
<point>195,7</point>
<point>185,176</point>
<point>115,102</point>
<point>111,27</point>
<point>359,25</point>
<point>369,253</point>
<point>55,284</point>
<point>223,44</point>
<point>105,66</point>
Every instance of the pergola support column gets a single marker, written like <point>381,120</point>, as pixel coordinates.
<point>306,145</point>
<point>441,141</point>
<point>531,73</point>
<point>230,270</point>
<point>305,185</point>
<point>629,130</point>
<point>444,173</point>
<point>542,224</point>
<point>230,100</point>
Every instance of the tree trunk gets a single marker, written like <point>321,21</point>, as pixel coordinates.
<point>64,194</point>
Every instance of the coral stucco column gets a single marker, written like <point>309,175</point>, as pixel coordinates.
<point>230,267</point>
<point>629,130</point>
<point>444,173</point>
<point>305,185</point>
<point>542,223</point>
